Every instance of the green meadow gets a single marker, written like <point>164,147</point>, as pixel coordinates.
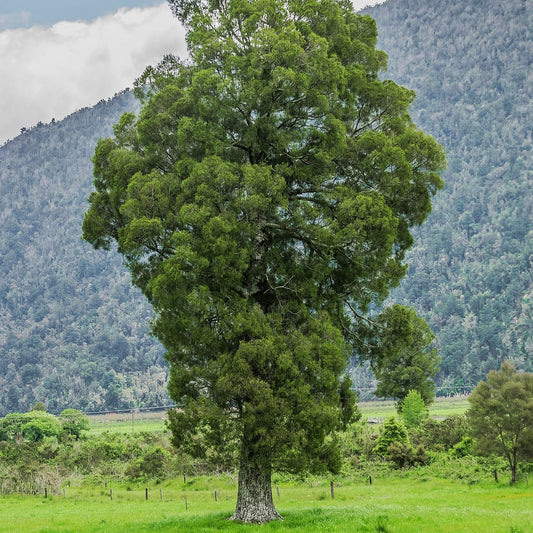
<point>127,423</point>
<point>447,495</point>
<point>392,504</point>
<point>150,421</point>
<point>440,408</point>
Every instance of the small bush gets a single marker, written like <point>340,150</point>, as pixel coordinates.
<point>401,454</point>
<point>442,435</point>
<point>463,448</point>
<point>394,432</point>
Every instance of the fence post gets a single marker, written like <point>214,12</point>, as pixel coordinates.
<point>146,491</point>
<point>111,493</point>
<point>161,494</point>
<point>332,487</point>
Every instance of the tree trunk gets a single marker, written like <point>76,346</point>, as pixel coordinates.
<point>254,499</point>
<point>513,463</point>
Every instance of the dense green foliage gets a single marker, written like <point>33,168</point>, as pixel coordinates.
<point>36,425</point>
<point>402,356</point>
<point>501,415</point>
<point>413,410</point>
<point>470,269</point>
<point>73,333</point>
<point>263,202</point>
<point>394,432</point>
<point>103,478</point>
<point>121,456</point>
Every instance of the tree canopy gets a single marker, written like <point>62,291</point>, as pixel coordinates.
<point>501,415</point>
<point>262,201</point>
<point>402,356</point>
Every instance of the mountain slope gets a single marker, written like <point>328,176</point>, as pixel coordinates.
<point>73,332</point>
<point>469,62</point>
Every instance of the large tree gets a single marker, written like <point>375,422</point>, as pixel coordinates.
<point>262,201</point>
<point>501,415</point>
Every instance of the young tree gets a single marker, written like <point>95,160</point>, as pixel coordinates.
<point>394,432</point>
<point>501,415</point>
<point>414,411</point>
<point>262,201</point>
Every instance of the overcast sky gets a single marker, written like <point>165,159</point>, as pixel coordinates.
<point>57,56</point>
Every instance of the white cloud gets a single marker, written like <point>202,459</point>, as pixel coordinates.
<point>361,4</point>
<point>50,72</point>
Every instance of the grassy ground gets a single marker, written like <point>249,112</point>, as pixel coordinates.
<point>126,422</point>
<point>149,421</point>
<point>440,408</point>
<point>393,505</point>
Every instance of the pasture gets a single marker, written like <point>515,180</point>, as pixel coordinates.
<point>448,495</point>
<point>127,422</point>
<point>393,504</point>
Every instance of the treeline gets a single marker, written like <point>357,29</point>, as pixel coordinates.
<point>32,463</point>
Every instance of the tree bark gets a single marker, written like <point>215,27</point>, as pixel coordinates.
<point>254,498</point>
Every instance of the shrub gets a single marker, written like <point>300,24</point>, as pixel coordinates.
<point>74,422</point>
<point>33,426</point>
<point>152,464</point>
<point>463,448</point>
<point>394,432</point>
<point>38,425</point>
<point>400,453</point>
<point>443,435</point>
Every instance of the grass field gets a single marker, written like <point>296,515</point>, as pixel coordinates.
<point>440,408</point>
<point>127,423</point>
<point>393,504</point>
<point>155,421</point>
<point>420,500</point>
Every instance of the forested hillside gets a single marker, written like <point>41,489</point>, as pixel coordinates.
<point>469,62</point>
<point>73,332</point>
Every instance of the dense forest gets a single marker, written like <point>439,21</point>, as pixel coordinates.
<point>74,333</point>
<point>469,63</point>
